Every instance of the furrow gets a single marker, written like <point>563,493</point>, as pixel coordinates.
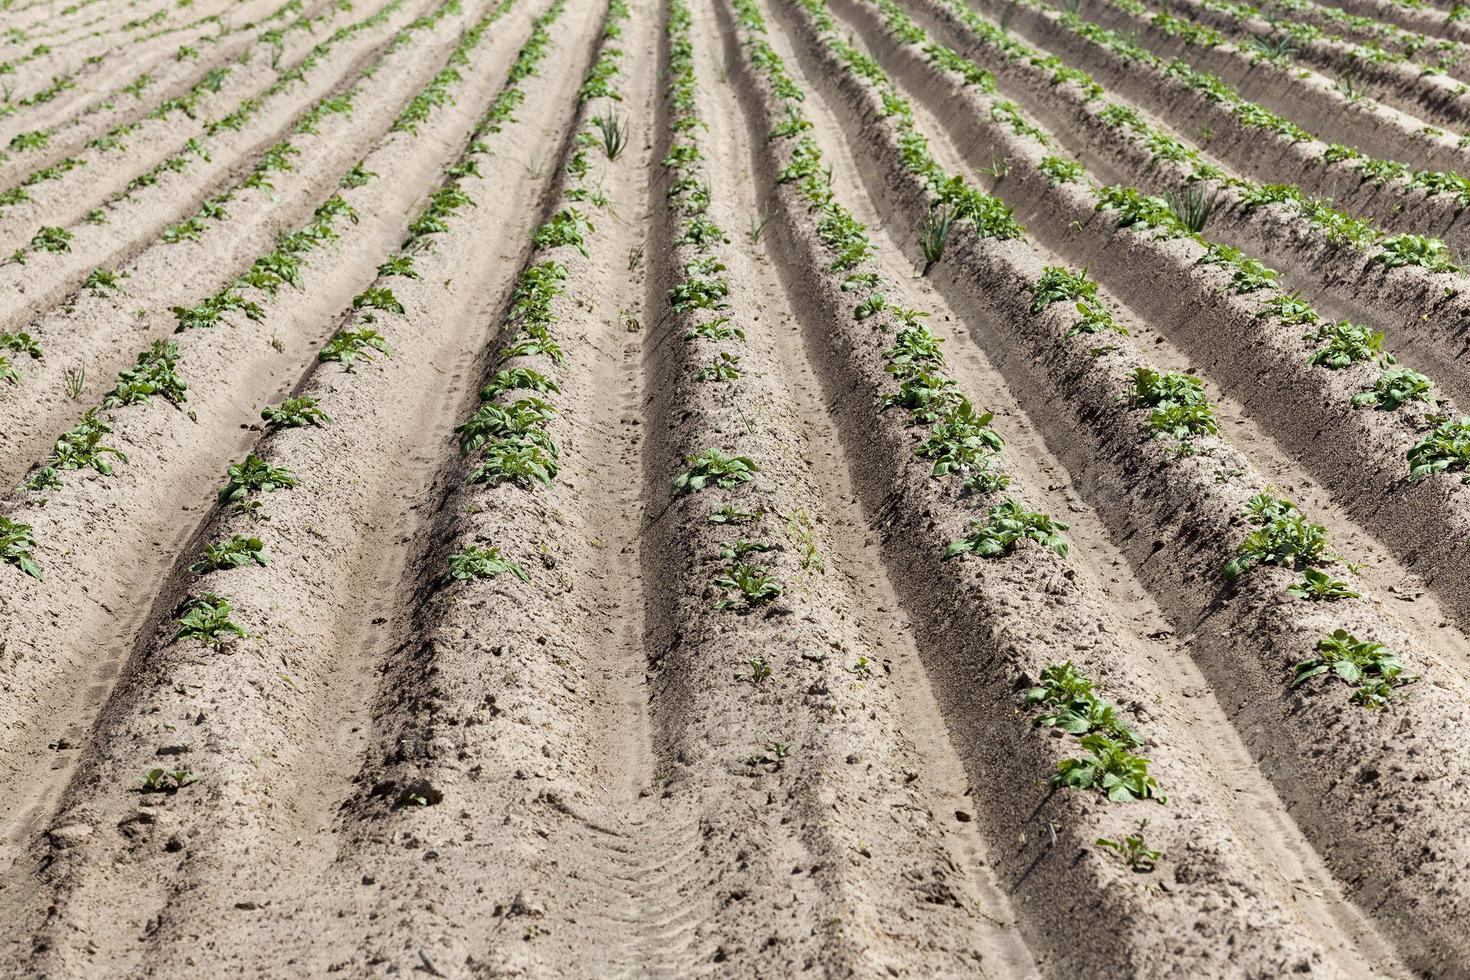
<point>192,86</point>
<point>281,177</point>
<point>1343,265</point>
<point>1230,331</point>
<point>1317,750</point>
<point>334,255</point>
<point>137,207</point>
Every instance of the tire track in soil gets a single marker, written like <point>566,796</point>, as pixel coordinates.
<point>1302,884</point>
<point>855,539</point>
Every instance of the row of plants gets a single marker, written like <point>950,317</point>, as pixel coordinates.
<point>960,440</point>
<point>508,432</point>
<point>278,158</point>
<point>1176,406</point>
<point>1209,187</point>
<point>116,139</point>
<point>698,299</point>
<point>138,84</point>
<point>1435,439</point>
<point>206,616</point>
<point>1334,160</point>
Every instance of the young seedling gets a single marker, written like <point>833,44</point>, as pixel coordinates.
<point>772,756</point>
<point>521,460</point>
<point>750,583</point>
<point>725,367</point>
<point>1110,768</point>
<point>346,346</point>
<point>254,475</point>
<point>100,281</point>
<point>1070,704</point>
<point>1058,285</point>
<point>166,780</point>
<point>80,447</point>
<point>1282,537</point>
<point>1446,449</point>
<point>1394,388</point>
<point>729,514</point>
<point>1319,586</point>
<point>207,618</point>
<point>1375,669</point>
<point>1007,524</point>
<point>713,467</point>
<point>378,298</point>
<point>476,562</point>
<point>760,671</point>
<point>16,545</point>
<point>295,412</point>
<point>1132,849</point>
<point>233,552</point>
<point>154,373</point>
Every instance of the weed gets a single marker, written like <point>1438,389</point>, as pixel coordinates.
<point>934,236</point>
<point>1110,768</point>
<point>1006,524</point>
<point>613,132</point>
<point>254,475</point>
<point>16,545</point>
<point>76,382</point>
<point>1192,206</point>
<point>713,467</point>
<point>635,256</point>
<point>346,346</point>
<point>1394,387</point>
<point>295,412</point>
<point>207,618</point>
<point>233,552</point>
<point>1374,668</point>
<point>1134,852</point>
<point>758,225</point>
<point>1350,88</point>
<point>1275,49</point>
<point>476,562</point>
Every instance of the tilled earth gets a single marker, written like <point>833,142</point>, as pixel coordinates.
<point>748,488</point>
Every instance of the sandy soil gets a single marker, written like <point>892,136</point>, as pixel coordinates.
<point>607,621</point>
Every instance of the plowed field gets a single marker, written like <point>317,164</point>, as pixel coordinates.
<point>752,488</point>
